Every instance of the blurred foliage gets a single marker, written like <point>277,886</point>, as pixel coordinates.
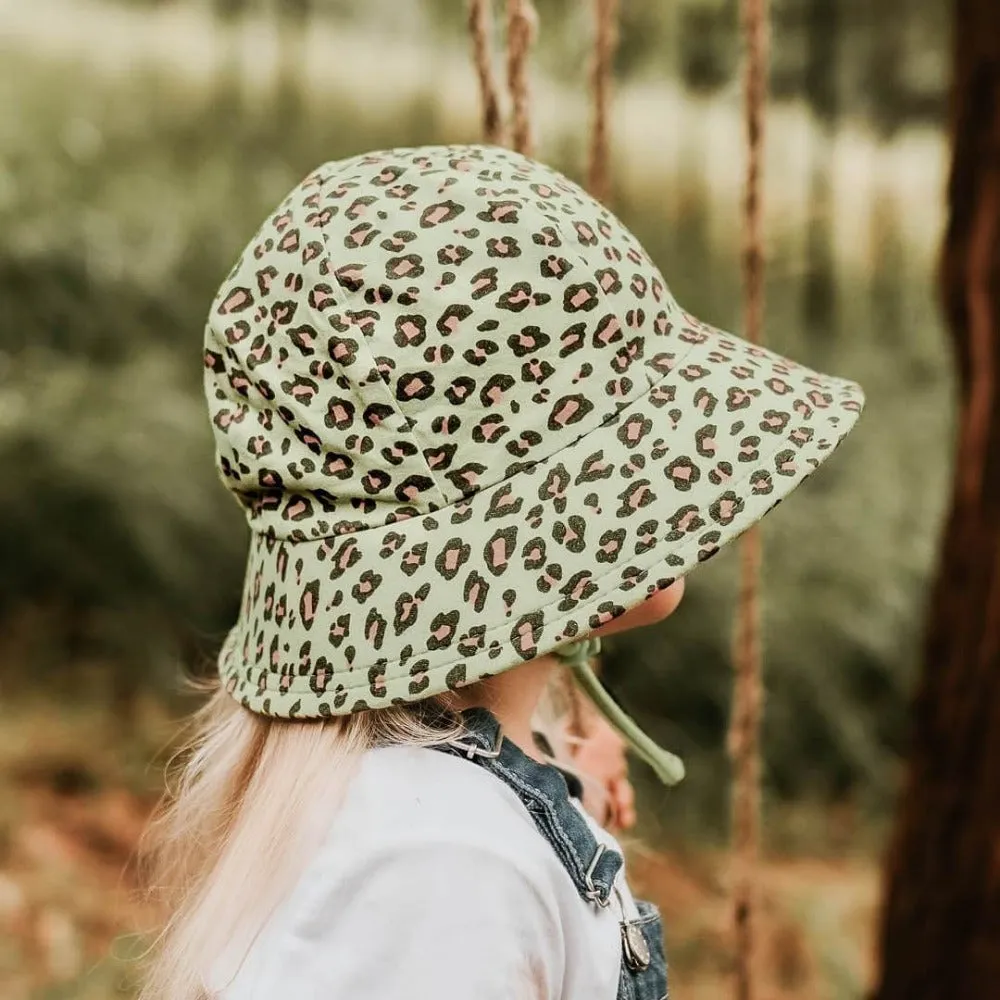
<point>123,205</point>
<point>890,67</point>
<point>893,70</point>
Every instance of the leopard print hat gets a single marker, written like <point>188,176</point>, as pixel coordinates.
<point>468,423</point>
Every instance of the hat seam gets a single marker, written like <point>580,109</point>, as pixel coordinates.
<point>350,300</point>
<point>297,688</point>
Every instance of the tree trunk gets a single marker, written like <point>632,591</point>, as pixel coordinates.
<point>823,33</point>
<point>292,25</point>
<point>941,922</point>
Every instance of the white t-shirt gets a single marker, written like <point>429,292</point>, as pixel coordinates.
<point>435,884</point>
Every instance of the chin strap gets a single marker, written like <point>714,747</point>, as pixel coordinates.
<point>578,656</point>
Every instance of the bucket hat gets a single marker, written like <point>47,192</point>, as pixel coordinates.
<point>468,424</point>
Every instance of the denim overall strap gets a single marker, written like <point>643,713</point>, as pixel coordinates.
<point>542,789</point>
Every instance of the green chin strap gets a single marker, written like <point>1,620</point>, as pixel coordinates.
<point>578,656</point>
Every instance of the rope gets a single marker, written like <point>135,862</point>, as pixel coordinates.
<point>480,28</point>
<point>522,27</point>
<point>744,731</point>
<point>605,43</point>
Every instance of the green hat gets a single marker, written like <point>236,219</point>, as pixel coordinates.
<point>468,423</point>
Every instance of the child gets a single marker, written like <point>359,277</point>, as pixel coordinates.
<point>471,431</point>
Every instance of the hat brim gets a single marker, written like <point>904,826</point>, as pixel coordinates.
<point>405,611</point>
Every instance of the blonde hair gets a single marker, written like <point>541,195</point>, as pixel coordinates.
<point>249,788</point>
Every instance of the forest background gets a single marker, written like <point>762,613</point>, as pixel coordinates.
<point>140,145</point>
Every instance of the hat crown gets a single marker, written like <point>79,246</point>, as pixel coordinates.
<point>412,326</point>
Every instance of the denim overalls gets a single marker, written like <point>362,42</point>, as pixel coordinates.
<point>593,868</point>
